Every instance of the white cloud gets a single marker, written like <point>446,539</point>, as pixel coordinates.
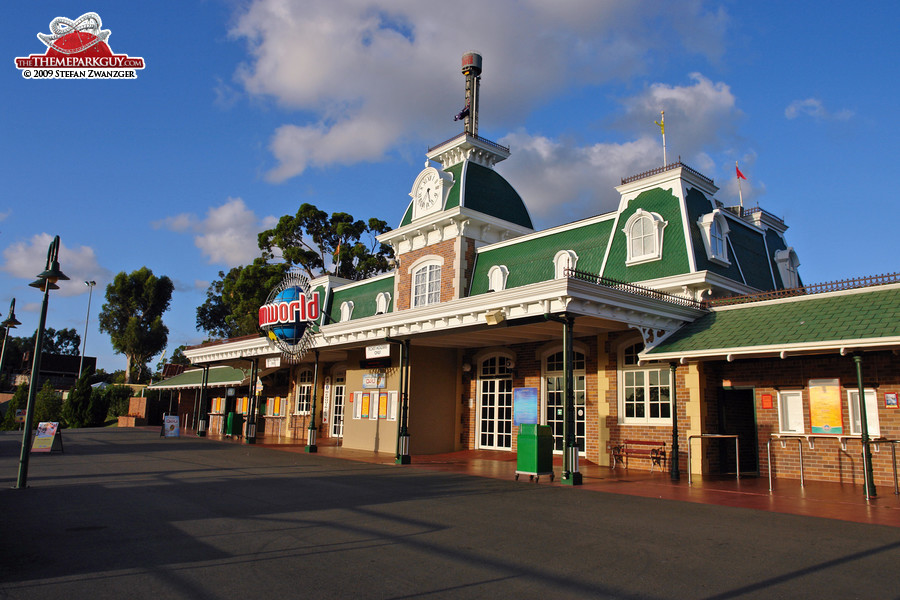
<point>26,259</point>
<point>813,107</point>
<point>228,234</point>
<point>567,181</point>
<point>364,77</point>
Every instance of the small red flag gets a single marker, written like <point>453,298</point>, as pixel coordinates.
<point>739,174</point>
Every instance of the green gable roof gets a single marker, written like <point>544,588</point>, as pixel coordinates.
<point>363,297</point>
<point>674,259</point>
<point>834,317</point>
<point>531,260</point>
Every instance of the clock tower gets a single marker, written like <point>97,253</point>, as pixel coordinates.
<point>458,203</point>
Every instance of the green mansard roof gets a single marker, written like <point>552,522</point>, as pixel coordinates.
<point>530,258</point>
<point>362,295</point>
<point>484,190</point>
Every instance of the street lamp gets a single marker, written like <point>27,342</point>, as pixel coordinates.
<point>9,323</point>
<point>45,282</point>
<point>90,285</point>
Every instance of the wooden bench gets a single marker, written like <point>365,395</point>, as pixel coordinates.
<point>655,451</point>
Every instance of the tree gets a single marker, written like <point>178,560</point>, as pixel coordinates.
<point>178,357</point>
<point>18,401</point>
<point>76,410</point>
<point>47,404</point>
<point>311,240</point>
<point>132,316</point>
<point>232,302</point>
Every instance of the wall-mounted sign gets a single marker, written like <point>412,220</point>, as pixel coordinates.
<point>765,401</point>
<point>825,406</point>
<point>378,351</point>
<point>288,314</point>
<point>373,381</point>
<point>890,400</point>
<point>272,363</point>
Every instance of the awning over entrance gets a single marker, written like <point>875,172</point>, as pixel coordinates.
<point>218,377</point>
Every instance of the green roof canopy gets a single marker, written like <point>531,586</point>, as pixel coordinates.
<point>218,377</point>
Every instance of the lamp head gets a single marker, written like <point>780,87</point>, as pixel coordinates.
<point>43,284</point>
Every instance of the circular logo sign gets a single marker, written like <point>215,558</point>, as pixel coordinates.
<point>288,314</point>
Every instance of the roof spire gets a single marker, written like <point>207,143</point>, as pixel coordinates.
<point>471,68</point>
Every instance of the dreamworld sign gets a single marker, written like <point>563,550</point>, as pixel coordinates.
<point>289,315</point>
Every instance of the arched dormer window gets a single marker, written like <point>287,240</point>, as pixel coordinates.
<point>644,235</point>
<point>714,231</point>
<point>382,302</point>
<point>346,311</point>
<point>788,262</point>
<point>564,259</point>
<point>497,278</point>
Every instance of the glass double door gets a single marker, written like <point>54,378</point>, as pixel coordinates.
<point>495,417</point>
<point>554,409</point>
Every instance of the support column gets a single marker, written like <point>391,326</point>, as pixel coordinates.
<point>675,458</point>
<point>864,426</point>
<point>571,475</point>
<point>404,458</point>
<point>250,435</point>
<point>204,413</point>
<point>311,434</point>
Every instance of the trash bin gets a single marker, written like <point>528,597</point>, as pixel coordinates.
<point>234,424</point>
<point>535,451</point>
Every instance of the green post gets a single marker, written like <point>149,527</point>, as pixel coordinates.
<point>204,412</point>
<point>311,434</point>
<point>571,475</point>
<point>404,458</point>
<point>864,426</point>
<point>674,459</point>
<point>250,437</point>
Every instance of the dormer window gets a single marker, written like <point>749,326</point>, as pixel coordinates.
<point>497,278</point>
<point>382,301</point>
<point>644,235</point>
<point>346,311</point>
<point>714,231</point>
<point>788,262</point>
<point>564,259</point>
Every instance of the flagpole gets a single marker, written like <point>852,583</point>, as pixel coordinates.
<point>662,130</point>
<point>740,189</point>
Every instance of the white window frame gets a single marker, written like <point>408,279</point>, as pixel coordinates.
<point>657,226</point>
<point>646,374</point>
<point>427,292</point>
<point>790,411</point>
<point>564,259</point>
<point>303,402</point>
<point>710,225</point>
<point>497,276</point>
<point>382,301</point>
<point>874,425</point>
<point>346,311</point>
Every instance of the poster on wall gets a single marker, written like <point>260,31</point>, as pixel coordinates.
<point>890,400</point>
<point>364,408</point>
<point>525,403</point>
<point>825,406</point>
<point>382,405</point>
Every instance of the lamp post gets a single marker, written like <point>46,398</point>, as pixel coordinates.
<point>90,285</point>
<point>9,323</point>
<point>45,282</point>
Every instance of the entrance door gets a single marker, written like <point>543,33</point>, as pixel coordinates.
<point>337,407</point>
<point>737,416</point>
<point>495,405</point>
<point>554,412</point>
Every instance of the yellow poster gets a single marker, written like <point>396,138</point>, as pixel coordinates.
<point>825,406</point>
<point>364,408</point>
<point>382,405</point>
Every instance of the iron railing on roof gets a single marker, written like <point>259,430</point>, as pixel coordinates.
<point>632,288</point>
<point>815,288</point>
<point>663,169</point>
<point>484,141</point>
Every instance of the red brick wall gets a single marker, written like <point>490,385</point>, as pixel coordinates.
<point>827,461</point>
<point>446,250</point>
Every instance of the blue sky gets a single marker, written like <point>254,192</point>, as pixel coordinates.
<point>247,109</point>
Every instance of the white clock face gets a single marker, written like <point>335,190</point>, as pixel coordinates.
<point>428,192</point>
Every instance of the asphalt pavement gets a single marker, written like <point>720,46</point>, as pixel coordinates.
<point>125,513</point>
